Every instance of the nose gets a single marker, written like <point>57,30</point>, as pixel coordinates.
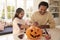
<point>35,33</point>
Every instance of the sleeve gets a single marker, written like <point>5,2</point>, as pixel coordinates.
<point>51,21</point>
<point>16,29</point>
<point>16,23</point>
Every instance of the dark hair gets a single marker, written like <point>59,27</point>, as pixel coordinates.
<point>18,11</point>
<point>43,3</point>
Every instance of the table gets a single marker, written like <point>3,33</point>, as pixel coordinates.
<point>55,34</point>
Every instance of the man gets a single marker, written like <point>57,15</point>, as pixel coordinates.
<point>42,16</point>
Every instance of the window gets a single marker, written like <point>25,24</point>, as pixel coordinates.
<point>29,3</point>
<point>8,7</point>
<point>29,8</point>
<point>20,3</point>
<point>2,4</point>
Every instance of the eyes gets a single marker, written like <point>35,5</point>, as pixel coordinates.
<point>34,30</point>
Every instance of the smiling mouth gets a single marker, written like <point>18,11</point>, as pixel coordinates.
<point>34,36</point>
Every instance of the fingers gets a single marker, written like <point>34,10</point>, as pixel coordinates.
<point>35,24</point>
<point>47,37</point>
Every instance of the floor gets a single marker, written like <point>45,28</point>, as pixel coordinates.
<point>6,37</point>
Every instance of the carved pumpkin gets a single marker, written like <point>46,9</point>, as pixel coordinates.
<point>33,32</point>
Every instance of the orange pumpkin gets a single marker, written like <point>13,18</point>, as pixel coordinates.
<point>33,32</point>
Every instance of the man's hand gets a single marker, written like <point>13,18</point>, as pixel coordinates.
<point>26,26</point>
<point>35,24</point>
<point>48,37</point>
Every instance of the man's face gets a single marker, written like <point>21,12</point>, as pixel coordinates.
<point>42,9</point>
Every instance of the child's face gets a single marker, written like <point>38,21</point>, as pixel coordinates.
<point>21,14</point>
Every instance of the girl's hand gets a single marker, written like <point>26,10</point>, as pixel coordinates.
<point>25,26</point>
<point>22,27</point>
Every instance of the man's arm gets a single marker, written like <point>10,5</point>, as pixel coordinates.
<point>51,21</point>
<point>33,20</point>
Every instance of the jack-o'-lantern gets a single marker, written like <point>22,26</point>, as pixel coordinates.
<point>33,32</point>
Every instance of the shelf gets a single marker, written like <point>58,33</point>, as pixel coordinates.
<point>54,9</point>
<point>55,12</point>
<point>56,15</point>
<point>56,0</point>
<point>54,6</point>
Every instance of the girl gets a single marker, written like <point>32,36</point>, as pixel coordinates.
<point>18,25</point>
